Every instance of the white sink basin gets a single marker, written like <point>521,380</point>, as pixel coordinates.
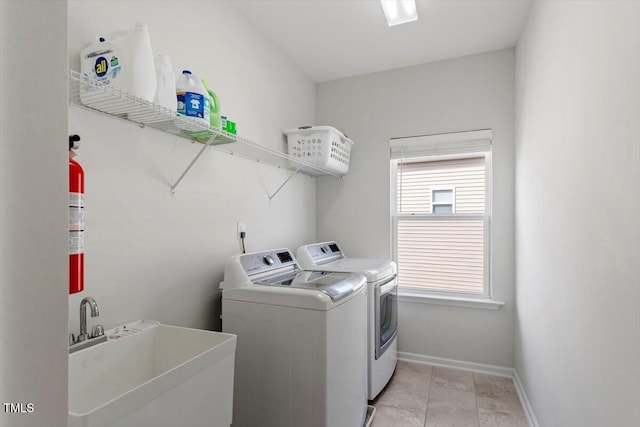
<point>148,374</point>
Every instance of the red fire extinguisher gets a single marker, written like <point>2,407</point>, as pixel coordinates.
<point>76,220</point>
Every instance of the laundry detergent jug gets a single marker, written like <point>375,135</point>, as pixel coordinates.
<point>193,102</point>
<point>123,62</point>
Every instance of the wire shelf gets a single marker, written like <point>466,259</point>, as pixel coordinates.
<point>114,102</point>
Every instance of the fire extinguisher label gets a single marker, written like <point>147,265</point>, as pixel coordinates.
<point>76,211</point>
<point>76,199</point>
<point>76,223</point>
<point>76,242</point>
<point>76,218</point>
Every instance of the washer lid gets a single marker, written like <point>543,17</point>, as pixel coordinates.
<point>335,285</point>
<point>374,269</point>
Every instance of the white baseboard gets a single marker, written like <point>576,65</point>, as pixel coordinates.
<point>458,364</point>
<point>526,405</point>
<point>481,368</point>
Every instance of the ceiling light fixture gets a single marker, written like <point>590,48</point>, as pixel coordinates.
<point>399,11</point>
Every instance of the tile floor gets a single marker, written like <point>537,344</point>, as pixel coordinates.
<point>430,396</point>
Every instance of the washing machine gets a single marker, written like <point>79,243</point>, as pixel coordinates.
<point>301,342</point>
<point>382,305</point>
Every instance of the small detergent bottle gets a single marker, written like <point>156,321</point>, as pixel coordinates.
<point>166,82</point>
<point>193,102</point>
<point>165,93</point>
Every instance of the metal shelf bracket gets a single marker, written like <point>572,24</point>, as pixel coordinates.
<point>271,196</point>
<point>193,161</point>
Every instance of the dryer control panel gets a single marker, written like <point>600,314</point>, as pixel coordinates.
<point>322,253</point>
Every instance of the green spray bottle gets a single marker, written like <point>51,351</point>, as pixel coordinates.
<point>214,107</point>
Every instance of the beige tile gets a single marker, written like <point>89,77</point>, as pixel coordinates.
<point>417,368</point>
<point>387,416</point>
<point>490,418</point>
<point>494,387</point>
<point>450,407</point>
<point>450,398</point>
<point>452,378</point>
<point>406,390</point>
<point>507,406</point>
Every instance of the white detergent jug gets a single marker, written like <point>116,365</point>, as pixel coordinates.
<point>166,83</point>
<point>193,102</point>
<point>165,94</point>
<point>123,62</point>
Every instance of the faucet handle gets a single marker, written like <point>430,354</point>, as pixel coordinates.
<point>72,339</point>
<point>97,331</point>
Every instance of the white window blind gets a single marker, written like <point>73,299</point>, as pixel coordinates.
<point>440,199</point>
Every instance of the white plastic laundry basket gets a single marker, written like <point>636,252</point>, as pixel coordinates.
<point>323,146</point>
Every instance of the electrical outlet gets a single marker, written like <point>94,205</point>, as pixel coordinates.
<point>242,228</point>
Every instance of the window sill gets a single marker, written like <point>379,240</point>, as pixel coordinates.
<point>486,304</point>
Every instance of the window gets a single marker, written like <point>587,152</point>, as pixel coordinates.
<point>440,201</point>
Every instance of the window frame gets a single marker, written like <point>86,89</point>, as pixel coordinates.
<point>453,198</point>
<point>439,295</point>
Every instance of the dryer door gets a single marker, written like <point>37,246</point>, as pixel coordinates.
<point>386,314</point>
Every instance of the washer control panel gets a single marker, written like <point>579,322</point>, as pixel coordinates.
<point>261,262</point>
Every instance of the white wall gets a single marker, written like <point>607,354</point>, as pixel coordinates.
<point>578,213</point>
<point>150,255</point>
<point>474,92</point>
<point>33,212</point>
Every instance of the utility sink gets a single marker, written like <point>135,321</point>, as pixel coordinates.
<point>148,374</point>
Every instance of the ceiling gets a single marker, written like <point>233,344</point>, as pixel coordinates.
<point>332,39</point>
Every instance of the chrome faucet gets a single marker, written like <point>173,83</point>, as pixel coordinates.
<point>83,316</point>
<point>97,332</point>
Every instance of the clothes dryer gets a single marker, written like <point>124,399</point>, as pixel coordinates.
<point>382,305</point>
<point>301,346</point>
